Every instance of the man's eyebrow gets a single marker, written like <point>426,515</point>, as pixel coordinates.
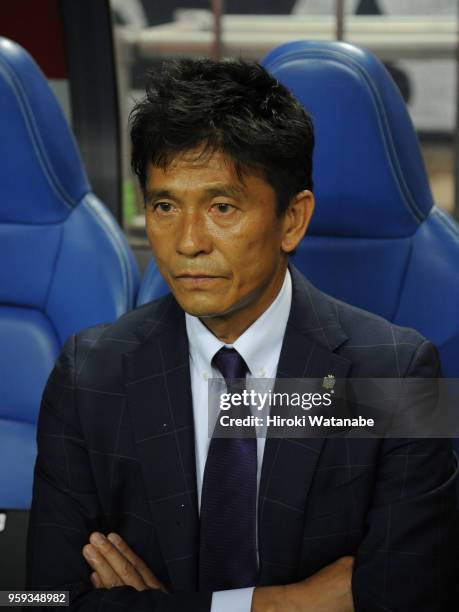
<point>230,191</point>
<point>156,194</point>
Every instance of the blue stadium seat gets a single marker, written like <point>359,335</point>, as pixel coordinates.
<point>66,264</point>
<point>376,240</point>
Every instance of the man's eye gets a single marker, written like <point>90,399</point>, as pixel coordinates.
<point>224,207</point>
<point>163,207</point>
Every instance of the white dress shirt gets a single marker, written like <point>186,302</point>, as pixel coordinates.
<point>260,346</point>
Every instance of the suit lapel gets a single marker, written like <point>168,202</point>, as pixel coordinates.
<point>160,404</point>
<point>312,333</point>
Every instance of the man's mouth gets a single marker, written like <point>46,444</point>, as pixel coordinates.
<point>196,275</point>
<point>197,278</point>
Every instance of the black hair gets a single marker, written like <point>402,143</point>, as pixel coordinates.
<point>233,106</point>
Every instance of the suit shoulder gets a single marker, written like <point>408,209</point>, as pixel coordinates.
<point>125,327</point>
<point>120,336</point>
<point>378,347</point>
<point>364,327</point>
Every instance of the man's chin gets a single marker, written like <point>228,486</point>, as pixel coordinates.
<point>202,309</point>
<point>204,313</point>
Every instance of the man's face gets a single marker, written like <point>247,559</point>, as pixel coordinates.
<point>216,240</point>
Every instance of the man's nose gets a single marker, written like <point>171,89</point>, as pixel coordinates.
<point>192,237</point>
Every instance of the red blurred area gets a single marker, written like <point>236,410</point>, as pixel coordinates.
<point>36,25</point>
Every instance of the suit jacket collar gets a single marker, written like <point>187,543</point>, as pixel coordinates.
<point>314,314</point>
<point>160,404</point>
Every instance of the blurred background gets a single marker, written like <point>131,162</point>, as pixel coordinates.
<point>96,52</point>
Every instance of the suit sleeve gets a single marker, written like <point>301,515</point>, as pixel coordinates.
<point>65,510</point>
<point>408,559</point>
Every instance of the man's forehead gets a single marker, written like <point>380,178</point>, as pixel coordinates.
<point>211,165</point>
<point>198,158</point>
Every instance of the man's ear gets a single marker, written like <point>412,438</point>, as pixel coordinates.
<point>296,219</point>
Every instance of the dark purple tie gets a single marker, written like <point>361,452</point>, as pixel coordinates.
<point>228,556</point>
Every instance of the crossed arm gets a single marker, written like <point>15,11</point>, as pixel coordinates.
<point>329,590</point>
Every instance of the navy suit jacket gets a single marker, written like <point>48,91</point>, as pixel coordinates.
<point>116,453</point>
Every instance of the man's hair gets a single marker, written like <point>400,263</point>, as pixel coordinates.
<point>235,107</point>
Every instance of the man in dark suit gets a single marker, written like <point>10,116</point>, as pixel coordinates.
<point>133,506</point>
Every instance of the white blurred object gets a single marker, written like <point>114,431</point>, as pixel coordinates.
<point>202,19</point>
<point>418,7</point>
<point>388,7</point>
<point>130,12</point>
<point>321,7</point>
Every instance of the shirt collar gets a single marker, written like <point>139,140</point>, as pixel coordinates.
<point>259,345</point>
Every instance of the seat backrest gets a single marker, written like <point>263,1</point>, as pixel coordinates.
<point>66,263</point>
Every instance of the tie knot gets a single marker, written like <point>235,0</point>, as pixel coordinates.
<point>230,363</point>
